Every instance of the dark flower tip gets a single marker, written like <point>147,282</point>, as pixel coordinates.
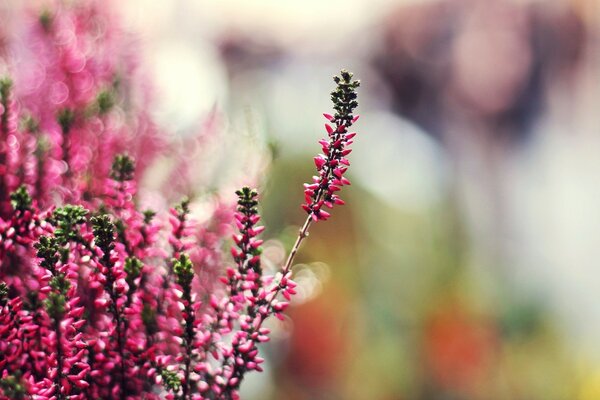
<point>3,293</point>
<point>20,199</point>
<point>123,168</point>
<point>65,119</point>
<point>104,232</point>
<point>183,269</point>
<point>66,219</point>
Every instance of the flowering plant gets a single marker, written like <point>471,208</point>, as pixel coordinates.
<point>98,298</point>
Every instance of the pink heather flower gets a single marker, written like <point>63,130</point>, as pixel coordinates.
<point>67,366</point>
<point>73,101</point>
<point>333,163</point>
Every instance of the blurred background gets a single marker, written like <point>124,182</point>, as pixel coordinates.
<point>466,263</point>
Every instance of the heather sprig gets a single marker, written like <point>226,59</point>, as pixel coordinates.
<point>333,163</point>
<point>133,268</point>
<point>247,253</point>
<point>246,286</point>
<point>184,274</point>
<point>246,305</point>
<point>115,286</point>
<point>331,166</point>
<point>180,225</point>
<point>67,376</point>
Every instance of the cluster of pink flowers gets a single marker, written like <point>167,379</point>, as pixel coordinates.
<point>75,101</point>
<point>98,298</point>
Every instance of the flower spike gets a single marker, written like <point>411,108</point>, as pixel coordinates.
<point>330,177</point>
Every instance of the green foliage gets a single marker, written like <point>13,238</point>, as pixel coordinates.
<point>171,380</point>
<point>5,87</point>
<point>123,168</point>
<point>47,249</point>
<point>184,270</point>
<point>66,220</point>
<point>55,305</point>
<point>105,101</point>
<point>65,119</point>
<point>43,145</point>
<point>344,96</point>
<point>247,200</point>
<point>133,268</point>
<point>20,199</point>
<point>60,283</point>
<point>30,124</point>
<point>45,19</point>
<point>183,208</point>
<point>149,216</point>
<point>3,294</point>
<point>149,319</point>
<point>13,388</point>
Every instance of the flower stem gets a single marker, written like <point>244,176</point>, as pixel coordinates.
<point>301,236</point>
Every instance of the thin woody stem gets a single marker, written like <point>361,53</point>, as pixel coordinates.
<point>288,264</point>
<point>301,236</point>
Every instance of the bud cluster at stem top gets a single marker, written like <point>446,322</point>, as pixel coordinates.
<point>184,271</point>
<point>344,97</point>
<point>104,232</point>
<point>66,220</point>
<point>20,199</point>
<point>246,219</point>
<point>123,168</point>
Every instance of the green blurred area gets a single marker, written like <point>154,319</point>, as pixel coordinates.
<point>401,315</point>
